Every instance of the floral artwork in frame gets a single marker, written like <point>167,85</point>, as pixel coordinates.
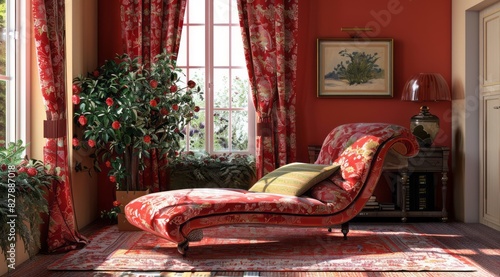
<point>355,67</point>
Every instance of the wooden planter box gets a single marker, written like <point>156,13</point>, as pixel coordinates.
<point>124,197</point>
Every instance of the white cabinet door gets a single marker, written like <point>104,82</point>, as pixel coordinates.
<point>491,160</point>
<point>490,116</point>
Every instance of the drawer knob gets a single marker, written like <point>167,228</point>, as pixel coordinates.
<point>496,107</point>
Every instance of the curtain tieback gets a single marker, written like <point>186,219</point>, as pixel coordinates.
<point>264,127</point>
<point>54,128</point>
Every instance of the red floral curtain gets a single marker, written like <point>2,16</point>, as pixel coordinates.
<point>49,33</point>
<point>270,30</point>
<point>150,27</point>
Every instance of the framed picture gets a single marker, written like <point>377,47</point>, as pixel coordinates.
<point>354,67</point>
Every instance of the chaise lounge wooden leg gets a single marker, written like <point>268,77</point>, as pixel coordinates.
<point>345,229</point>
<point>183,247</point>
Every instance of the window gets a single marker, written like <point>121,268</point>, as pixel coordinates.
<point>13,77</point>
<point>211,53</point>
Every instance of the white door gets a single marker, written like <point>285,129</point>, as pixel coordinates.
<point>490,116</point>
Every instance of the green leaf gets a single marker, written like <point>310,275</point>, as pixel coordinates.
<point>127,139</point>
<point>105,120</point>
<point>107,134</point>
<point>119,149</point>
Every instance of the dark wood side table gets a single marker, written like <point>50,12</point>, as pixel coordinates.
<point>428,160</point>
<point>313,151</point>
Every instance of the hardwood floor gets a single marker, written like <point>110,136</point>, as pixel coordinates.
<point>478,243</point>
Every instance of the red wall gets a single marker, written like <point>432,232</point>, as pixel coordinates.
<point>422,43</point>
<point>109,37</point>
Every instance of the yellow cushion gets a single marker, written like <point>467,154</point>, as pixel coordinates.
<point>294,178</point>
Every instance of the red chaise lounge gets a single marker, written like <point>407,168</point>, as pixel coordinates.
<point>329,192</point>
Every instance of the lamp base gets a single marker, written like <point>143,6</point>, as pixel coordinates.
<point>424,127</point>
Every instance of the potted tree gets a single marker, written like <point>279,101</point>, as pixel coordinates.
<point>127,109</point>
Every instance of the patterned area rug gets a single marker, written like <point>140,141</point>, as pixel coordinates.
<point>398,247</point>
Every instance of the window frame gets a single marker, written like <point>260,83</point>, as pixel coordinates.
<point>17,74</point>
<point>208,87</point>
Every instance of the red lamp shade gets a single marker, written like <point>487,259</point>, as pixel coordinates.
<point>425,87</point>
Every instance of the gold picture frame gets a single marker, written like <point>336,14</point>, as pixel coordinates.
<point>355,67</point>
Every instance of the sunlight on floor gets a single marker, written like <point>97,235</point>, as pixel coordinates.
<point>491,252</point>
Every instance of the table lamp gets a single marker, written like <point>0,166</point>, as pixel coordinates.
<point>420,88</point>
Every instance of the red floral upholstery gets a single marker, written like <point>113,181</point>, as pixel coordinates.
<point>343,187</point>
<point>329,192</point>
<point>355,162</point>
<point>359,148</point>
<point>344,136</point>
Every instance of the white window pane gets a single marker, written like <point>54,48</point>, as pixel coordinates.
<point>182,144</point>
<point>225,123</point>
<point>196,11</point>
<point>197,136</point>
<point>237,51</point>
<point>181,56</point>
<point>240,88</point>
<point>3,111</point>
<point>221,88</point>
<point>221,46</point>
<point>13,61</point>
<point>221,130</point>
<point>234,12</point>
<point>221,11</point>
<point>239,130</point>
<point>183,76</point>
<point>196,56</point>
<point>198,75</point>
